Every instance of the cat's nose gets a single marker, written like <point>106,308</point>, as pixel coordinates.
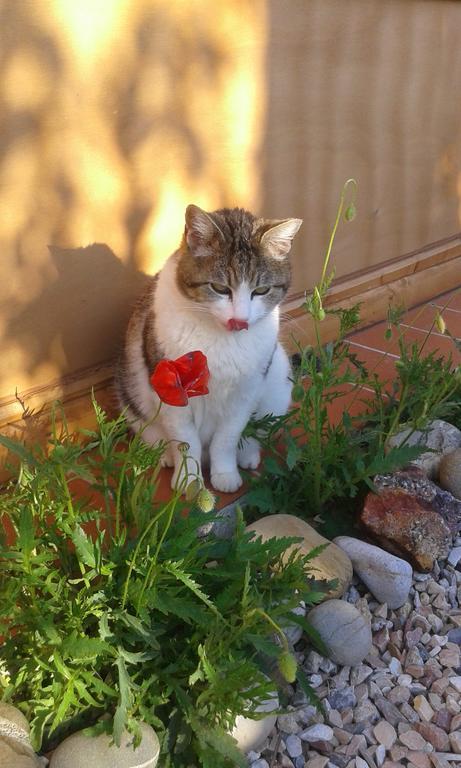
<point>237,325</point>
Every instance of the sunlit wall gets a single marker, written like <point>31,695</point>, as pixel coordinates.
<point>114,115</point>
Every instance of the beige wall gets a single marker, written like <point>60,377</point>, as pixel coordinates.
<point>115,114</point>
<point>369,89</point>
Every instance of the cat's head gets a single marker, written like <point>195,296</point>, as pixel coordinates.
<point>235,265</point>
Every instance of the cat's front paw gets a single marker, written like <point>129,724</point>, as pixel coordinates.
<point>227,482</point>
<point>249,454</point>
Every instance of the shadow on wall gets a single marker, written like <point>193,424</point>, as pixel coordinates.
<point>98,292</point>
<point>114,117</point>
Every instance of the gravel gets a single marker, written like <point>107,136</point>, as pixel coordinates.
<point>401,706</point>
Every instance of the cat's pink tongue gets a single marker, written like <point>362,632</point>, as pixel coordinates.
<point>237,325</point>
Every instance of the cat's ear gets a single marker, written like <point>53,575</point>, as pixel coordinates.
<point>200,230</point>
<point>277,239</point>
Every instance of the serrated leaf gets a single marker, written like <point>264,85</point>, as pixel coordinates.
<point>84,648</point>
<point>84,546</point>
<point>187,580</point>
<point>66,701</point>
<point>121,712</point>
<point>221,741</point>
<point>263,645</point>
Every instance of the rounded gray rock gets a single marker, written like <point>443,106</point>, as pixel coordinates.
<point>82,751</point>
<point>450,473</point>
<point>388,577</point>
<point>343,629</point>
<point>439,436</point>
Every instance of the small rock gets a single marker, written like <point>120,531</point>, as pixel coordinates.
<point>454,635</point>
<point>450,656</point>
<point>81,751</point>
<point>455,742</point>
<point>455,682</point>
<point>387,577</point>
<point>318,732</point>
<point>454,556</point>
<point>443,719</point>
<point>317,762</point>
<point>332,563</point>
<point>294,745</point>
<point>342,699</point>
<point>413,740</point>
<point>439,436</point>
<point>421,759</point>
<point>288,723</point>
<point>450,472</point>
<point>380,754</point>
<point>434,735</point>
<point>423,708</point>
<point>343,630</point>
<point>385,734</point>
<point>389,710</point>
<point>260,763</point>
<point>399,694</point>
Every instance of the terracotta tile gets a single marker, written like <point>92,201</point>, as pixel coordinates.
<point>452,299</point>
<point>422,317</point>
<point>373,337</point>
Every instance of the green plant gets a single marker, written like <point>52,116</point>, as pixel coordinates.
<point>320,459</point>
<point>111,604</point>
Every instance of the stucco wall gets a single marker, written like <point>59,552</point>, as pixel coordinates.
<point>115,114</point>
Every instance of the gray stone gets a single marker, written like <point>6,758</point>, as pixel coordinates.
<point>342,699</point>
<point>344,631</point>
<point>260,763</point>
<point>294,745</point>
<point>387,577</point>
<point>318,732</point>
<point>82,751</point>
<point>439,436</point>
<point>222,521</point>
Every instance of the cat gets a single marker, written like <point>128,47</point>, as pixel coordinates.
<point>218,293</point>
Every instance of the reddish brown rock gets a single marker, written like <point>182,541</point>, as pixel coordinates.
<point>415,482</point>
<point>402,525</point>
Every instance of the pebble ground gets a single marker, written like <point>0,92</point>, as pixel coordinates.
<point>401,706</point>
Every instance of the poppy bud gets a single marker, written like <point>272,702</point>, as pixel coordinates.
<point>288,665</point>
<point>298,393</point>
<point>193,489</point>
<point>440,323</point>
<point>350,212</point>
<point>321,314</point>
<point>205,500</point>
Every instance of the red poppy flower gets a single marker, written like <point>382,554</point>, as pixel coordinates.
<point>175,381</point>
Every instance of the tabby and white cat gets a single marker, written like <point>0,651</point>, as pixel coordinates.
<point>218,293</point>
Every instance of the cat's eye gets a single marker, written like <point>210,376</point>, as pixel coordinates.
<point>223,290</point>
<point>261,290</point>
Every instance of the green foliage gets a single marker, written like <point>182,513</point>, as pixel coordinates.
<point>323,453</point>
<point>110,603</point>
